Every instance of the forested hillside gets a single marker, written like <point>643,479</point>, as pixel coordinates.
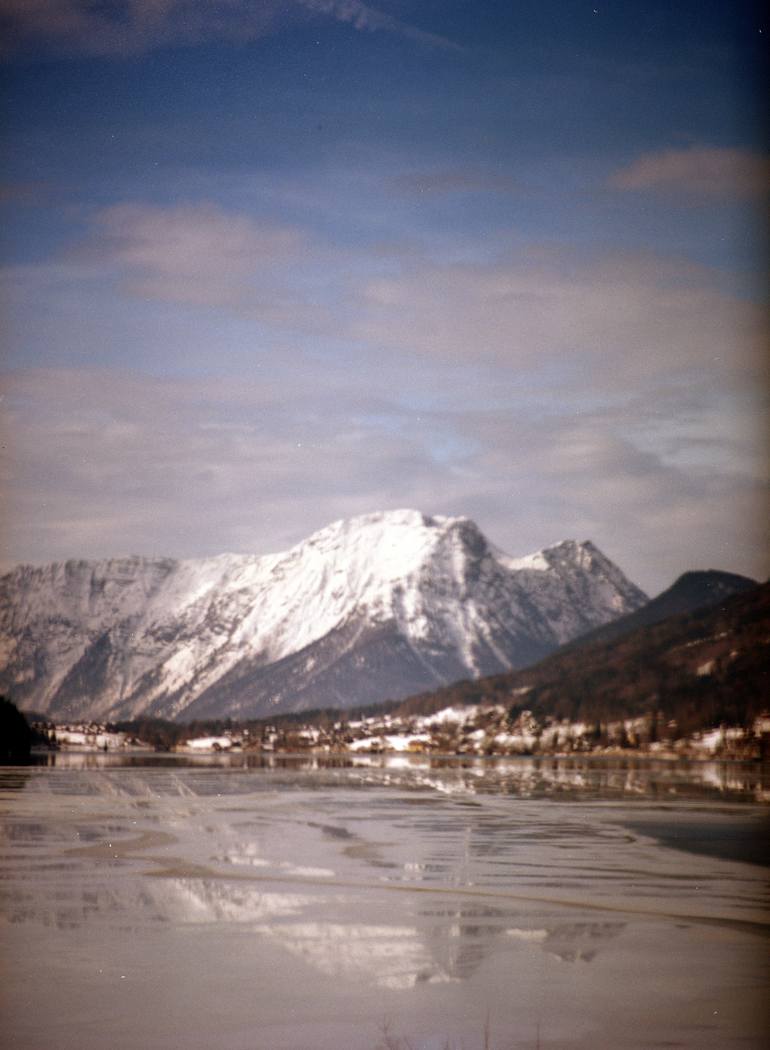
<point>698,669</point>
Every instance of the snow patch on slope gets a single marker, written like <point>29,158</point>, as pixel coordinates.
<point>135,634</point>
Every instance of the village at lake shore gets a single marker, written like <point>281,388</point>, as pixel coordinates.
<point>477,730</point>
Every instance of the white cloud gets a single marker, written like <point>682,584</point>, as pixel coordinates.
<point>542,396</point>
<point>537,481</point>
<point>697,172</point>
<point>615,324</point>
<point>194,254</point>
<point>128,27</point>
<point>125,27</point>
<point>621,323</point>
<point>103,463</point>
<point>438,183</point>
<point>362,16</point>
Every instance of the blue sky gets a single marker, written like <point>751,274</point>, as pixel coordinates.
<point>270,264</point>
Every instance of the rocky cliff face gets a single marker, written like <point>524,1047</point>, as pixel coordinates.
<point>373,608</point>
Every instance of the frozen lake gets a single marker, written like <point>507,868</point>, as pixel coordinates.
<point>255,904</point>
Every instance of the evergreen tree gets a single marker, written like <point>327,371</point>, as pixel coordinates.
<point>15,733</point>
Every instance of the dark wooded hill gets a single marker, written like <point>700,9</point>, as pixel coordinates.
<point>699,669</point>
<point>692,591</point>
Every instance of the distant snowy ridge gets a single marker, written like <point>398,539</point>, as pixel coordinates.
<point>376,607</point>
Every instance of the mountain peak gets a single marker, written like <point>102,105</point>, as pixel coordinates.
<point>562,552</point>
<point>368,608</point>
<point>400,519</point>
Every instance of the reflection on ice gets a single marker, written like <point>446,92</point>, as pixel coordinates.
<point>571,942</point>
<point>247,855</point>
<point>180,901</point>
<point>580,941</point>
<point>413,883</point>
<point>388,956</point>
<point>210,901</point>
<point>525,777</point>
<point>461,938</point>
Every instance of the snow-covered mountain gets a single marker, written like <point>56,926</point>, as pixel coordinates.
<point>373,608</point>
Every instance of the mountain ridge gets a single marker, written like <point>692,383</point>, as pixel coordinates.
<point>365,609</point>
<point>699,668</point>
<point>693,590</point>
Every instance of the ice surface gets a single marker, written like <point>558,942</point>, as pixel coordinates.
<point>303,905</point>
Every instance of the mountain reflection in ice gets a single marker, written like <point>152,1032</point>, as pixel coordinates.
<point>442,944</point>
<point>390,956</point>
<point>374,880</point>
<point>180,901</point>
<point>542,777</point>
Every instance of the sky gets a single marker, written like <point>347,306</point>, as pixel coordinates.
<point>271,263</point>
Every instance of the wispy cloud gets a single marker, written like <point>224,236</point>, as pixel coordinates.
<point>617,322</point>
<point>106,463</point>
<point>196,254</point>
<point>129,27</point>
<point>440,183</point>
<point>196,466</point>
<point>369,19</point>
<point>697,172</point>
<point>621,321</point>
<point>187,255</point>
<point>126,27</point>
<point>544,395</point>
